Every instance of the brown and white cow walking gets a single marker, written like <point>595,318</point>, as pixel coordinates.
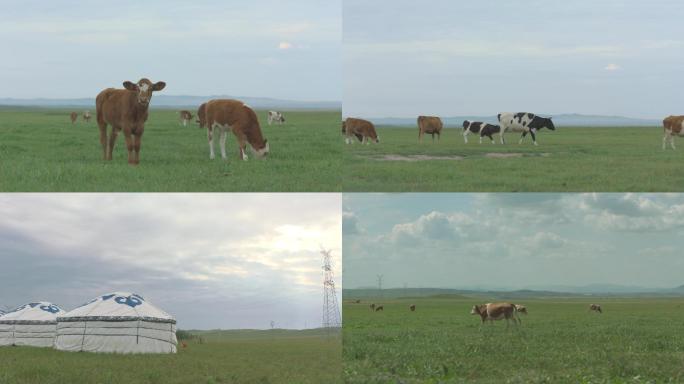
<point>496,311</point>
<point>233,115</point>
<point>86,116</point>
<point>595,308</point>
<point>73,116</point>
<point>184,117</point>
<point>127,110</point>
<point>431,125</point>
<point>672,126</point>
<point>362,129</point>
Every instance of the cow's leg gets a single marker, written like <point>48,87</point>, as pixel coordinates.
<point>672,141</point>
<point>367,140</point>
<point>665,141</point>
<point>222,142</point>
<point>501,136</point>
<point>465,135</point>
<point>210,139</point>
<point>129,145</point>
<point>480,139</point>
<point>112,141</point>
<point>534,137</point>
<point>137,142</point>
<point>103,138</point>
<point>242,139</point>
<point>522,137</point>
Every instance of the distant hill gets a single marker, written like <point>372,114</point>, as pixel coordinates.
<point>192,102</point>
<point>561,120</point>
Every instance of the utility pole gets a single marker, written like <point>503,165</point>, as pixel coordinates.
<point>331,310</point>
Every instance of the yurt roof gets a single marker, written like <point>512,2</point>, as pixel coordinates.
<point>34,312</point>
<point>117,306</point>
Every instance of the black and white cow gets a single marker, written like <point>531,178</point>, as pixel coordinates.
<point>480,128</point>
<point>275,117</point>
<point>523,122</point>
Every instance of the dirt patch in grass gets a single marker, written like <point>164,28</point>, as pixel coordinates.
<point>414,158</point>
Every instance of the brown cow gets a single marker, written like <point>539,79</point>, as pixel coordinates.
<point>234,115</point>
<point>73,116</point>
<point>379,308</point>
<point>202,115</point>
<point>595,307</point>
<point>184,117</point>
<point>86,116</point>
<point>431,125</point>
<point>672,126</point>
<point>372,307</point>
<point>412,307</point>
<point>496,311</point>
<point>125,109</point>
<point>362,129</point>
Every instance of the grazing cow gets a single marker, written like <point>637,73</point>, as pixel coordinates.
<point>234,115</point>
<point>379,308</point>
<point>480,128</point>
<point>372,307</point>
<point>363,130</point>
<point>523,122</point>
<point>595,307</point>
<point>496,311</point>
<point>86,116</point>
<point>184,117</point>
<point>73,116</point>
<point>431,125</point>
<point>521,308</point>
<point>275,117</point>
<point>202,115</point>
<point>672,126</point>
<point>127,110</point>
<point>357,301</point>
<point>412,307</point>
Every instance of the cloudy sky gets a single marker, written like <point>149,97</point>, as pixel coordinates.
<point>512,241</point>
<point>445,57</point>
<point>211,260</point>
<point>261,48</point>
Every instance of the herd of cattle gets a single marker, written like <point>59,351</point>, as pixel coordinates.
<point>521,122</point>
<point>489,311</point>
<point>127,110</point>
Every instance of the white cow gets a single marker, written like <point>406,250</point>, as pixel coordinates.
<point>275,117</point>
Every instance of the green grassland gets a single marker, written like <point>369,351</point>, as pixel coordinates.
<point>40,150</point>
<point>568,159</point>
<point>560,341</point>
<point>222,357</point>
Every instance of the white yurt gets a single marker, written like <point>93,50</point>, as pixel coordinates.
<point>31,324</point>
<point>118,322</point>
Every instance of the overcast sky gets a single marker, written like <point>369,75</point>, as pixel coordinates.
<point>512,241</point>
<point>443,57</point>
<point>211,260</point>
<point>262,48</point>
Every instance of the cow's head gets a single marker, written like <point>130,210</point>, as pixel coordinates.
<point>263,151</point>
<point>549,124</point>
<point>477,310</point>
<point>466,124</point>
<point>144,89</point>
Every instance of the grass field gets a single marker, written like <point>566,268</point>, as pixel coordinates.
<point>633,341</point>
<point>224,357</point>
<point>568,159</point>
<point>40,150</point>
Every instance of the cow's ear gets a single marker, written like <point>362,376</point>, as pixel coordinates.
<point>158,86</point>
<point>130,86</point>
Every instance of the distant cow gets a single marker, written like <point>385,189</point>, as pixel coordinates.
<point>73,116</point>
<point>184,117</point>
<point>496,311</point>
<point>521,308</point>
<point>672,126</point>
<point>372,307</point>
<point>363,130</point>
<point>357,301</point>
<point>127,110</point>
<point>431,125</point>
<point>275,117</point>
<point>202,115</point>
<point>86,116</point>
<point>379,308</point>
<point>595,307</point>
<point>479,128</point>
<point>233,115</point>
<point>412,307</point>
<point>523,122</point>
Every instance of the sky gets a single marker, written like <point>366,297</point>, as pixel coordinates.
<point>214,261</point>
<point>258,48</point>
<point>513,241</point>
<point>403,58</point>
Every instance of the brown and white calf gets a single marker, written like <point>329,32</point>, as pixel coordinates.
<point>431,125</point>
<point>233,115</point>
<point>73,116</point>
<point>596,308</point>
<point>496,311</point>
<point>86,116</point>
<point>125,110</point>
<point>672,126</point>
<point>184,117</point>
<point>202,115</point>
<point>363,130</point>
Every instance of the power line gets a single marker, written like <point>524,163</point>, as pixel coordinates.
<point>331,310</point>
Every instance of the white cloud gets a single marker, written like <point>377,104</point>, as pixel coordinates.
<point>285,45</point>
<point>612,67</point>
